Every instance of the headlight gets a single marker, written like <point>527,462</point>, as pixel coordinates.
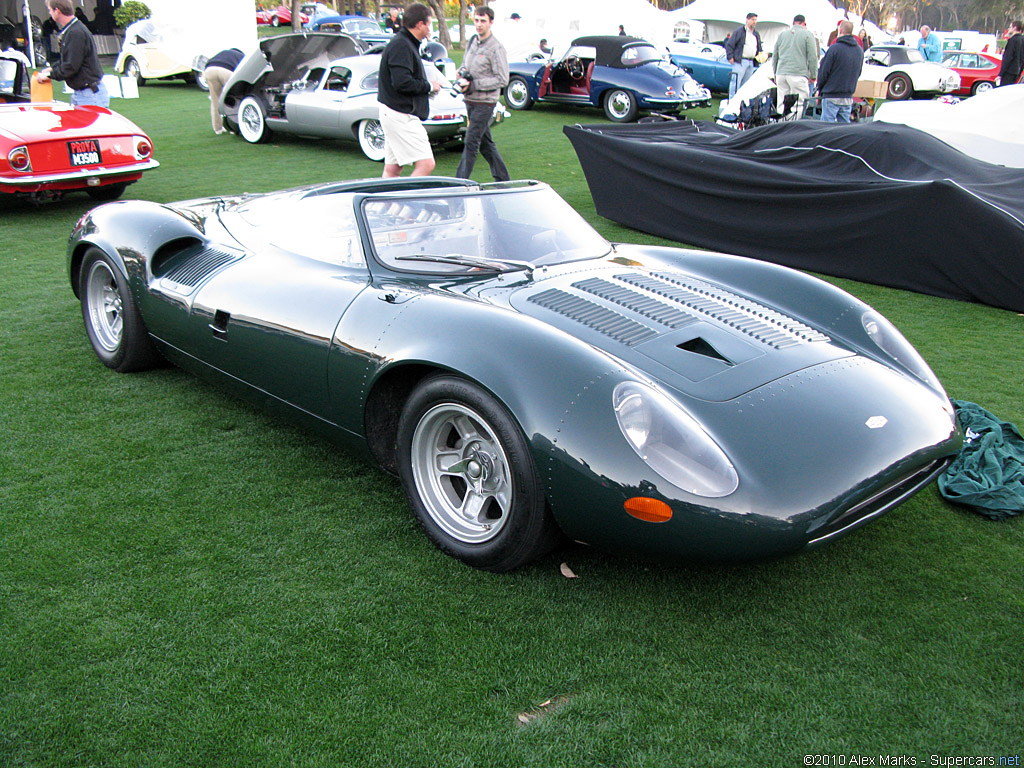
<point>671,442</point>
<point>892,343</point>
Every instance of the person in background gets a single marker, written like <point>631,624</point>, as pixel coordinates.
<point>930,45</point>
<point>838,74</point>
<point>622,30</point>
<point>487,64</point>
<point>864,39</point>
<point>544,47</point>
<point>796,62</point>
<point>217,73</point>
<point>741,49</point>
<point>1013,55</point>
<point>403,92</point>
<point>79,66</point>
<point>394,22</point>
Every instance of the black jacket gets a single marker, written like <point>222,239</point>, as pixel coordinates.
<point>403,84</point>
<point>839,70</point>
<point>79,66</point>
<point>734,45</point>
<point>1013,60</point>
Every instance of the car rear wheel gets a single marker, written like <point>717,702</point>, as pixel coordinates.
<point>620,106</point>
<point>900,88</point>
<point>112,320</point>
<point>132,69</point>
<point>106,192</point>
<point>981,87</point>
<point>371,139</point>
<point>200,80</point>
<point>252,121</point>
<point>517,93</point>
<point>469,476</point>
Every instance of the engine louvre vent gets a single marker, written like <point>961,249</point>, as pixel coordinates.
<point>596,317</point>
<point>649,307</point>
<point>745,315</point>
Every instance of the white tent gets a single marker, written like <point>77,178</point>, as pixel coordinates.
<point>721,17</point>
<point>561,21</point>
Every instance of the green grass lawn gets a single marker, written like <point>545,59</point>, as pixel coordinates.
<point>186,581</point>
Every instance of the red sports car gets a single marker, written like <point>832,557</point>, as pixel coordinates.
<point>48,149</point>
<point>263,16</point>
<point>979,72</point>
<point>283,15</point>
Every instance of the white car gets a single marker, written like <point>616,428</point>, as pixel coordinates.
<point>156,50</point>
<point>686,47</point>
<point>907,72</point>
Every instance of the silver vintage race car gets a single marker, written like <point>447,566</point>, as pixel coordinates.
<point>318,85</point>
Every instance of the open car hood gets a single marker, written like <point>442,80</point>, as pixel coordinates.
<point>281,59</point>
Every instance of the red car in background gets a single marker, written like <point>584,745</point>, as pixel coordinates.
<point>979,72</point>
<point>49,149</point>
<point>263,16</point>
<point>283,15</point>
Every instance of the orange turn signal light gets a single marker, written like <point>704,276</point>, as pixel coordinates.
<point>648,510</point>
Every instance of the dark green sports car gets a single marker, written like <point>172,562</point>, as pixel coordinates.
<point>524,377</point>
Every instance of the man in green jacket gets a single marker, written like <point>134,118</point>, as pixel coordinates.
<point>796,63</point>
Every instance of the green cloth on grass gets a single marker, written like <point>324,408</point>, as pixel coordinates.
<point>988,475</point>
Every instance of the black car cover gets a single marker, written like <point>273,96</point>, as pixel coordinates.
<point>874,202</point>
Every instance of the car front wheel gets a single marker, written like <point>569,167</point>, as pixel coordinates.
<point>900,88</point>
<point>132,69</point>
<point>620,106</point>
<point>371,139</point>
<point>275,22</point>
<point>112,320</point>
<point>470,478</point>
<point>981,86</point>
<point>252,121</point>
<point>517,93</point>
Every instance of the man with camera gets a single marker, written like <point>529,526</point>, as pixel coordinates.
<point>484,73</point>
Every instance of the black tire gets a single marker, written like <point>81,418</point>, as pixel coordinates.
<point>106,192</point>
<point>501,523</point>
<point>517,93</point>
<point>900,88</point>
<point>275,22</point>
<point>252,121</point>
<point>620,106</point>
<point>132,69</point>
<point>112,320</point>
<point>982,86</point>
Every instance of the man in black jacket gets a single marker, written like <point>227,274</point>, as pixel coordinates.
<point>1013,55</point>
<point>404,92</point>
<point>838,74</point>
<point>79,66</point>
<point>742,49</point>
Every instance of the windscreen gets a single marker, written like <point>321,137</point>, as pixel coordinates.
<point>467,232</point>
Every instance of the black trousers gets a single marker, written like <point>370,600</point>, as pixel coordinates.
<point>478,140</point>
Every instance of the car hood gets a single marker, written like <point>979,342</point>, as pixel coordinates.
<point>36,122</point>
<point>281,59</point>
<point>694,336</point>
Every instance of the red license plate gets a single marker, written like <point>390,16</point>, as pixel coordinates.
<point>84,152</point>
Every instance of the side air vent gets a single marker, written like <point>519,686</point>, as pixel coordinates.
<point>700,346</point>
<point>187,267</point>
<point>596,317</point>
<point>745,315</point>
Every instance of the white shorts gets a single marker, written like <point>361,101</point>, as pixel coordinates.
<point>405,138</point>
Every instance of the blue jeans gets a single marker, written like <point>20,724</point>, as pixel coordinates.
<point>741,72</point>
<point>101,98</point>
<point>834,112</point>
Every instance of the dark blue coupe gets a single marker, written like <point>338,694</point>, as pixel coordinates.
<point>622,75</point>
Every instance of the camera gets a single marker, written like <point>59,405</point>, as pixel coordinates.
<point>463,74</point>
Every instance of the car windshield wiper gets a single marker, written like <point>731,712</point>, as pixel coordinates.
<point>496,265</point>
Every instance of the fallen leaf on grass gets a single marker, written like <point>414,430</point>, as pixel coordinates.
<point>547,708</point>
<point>567,571</point>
